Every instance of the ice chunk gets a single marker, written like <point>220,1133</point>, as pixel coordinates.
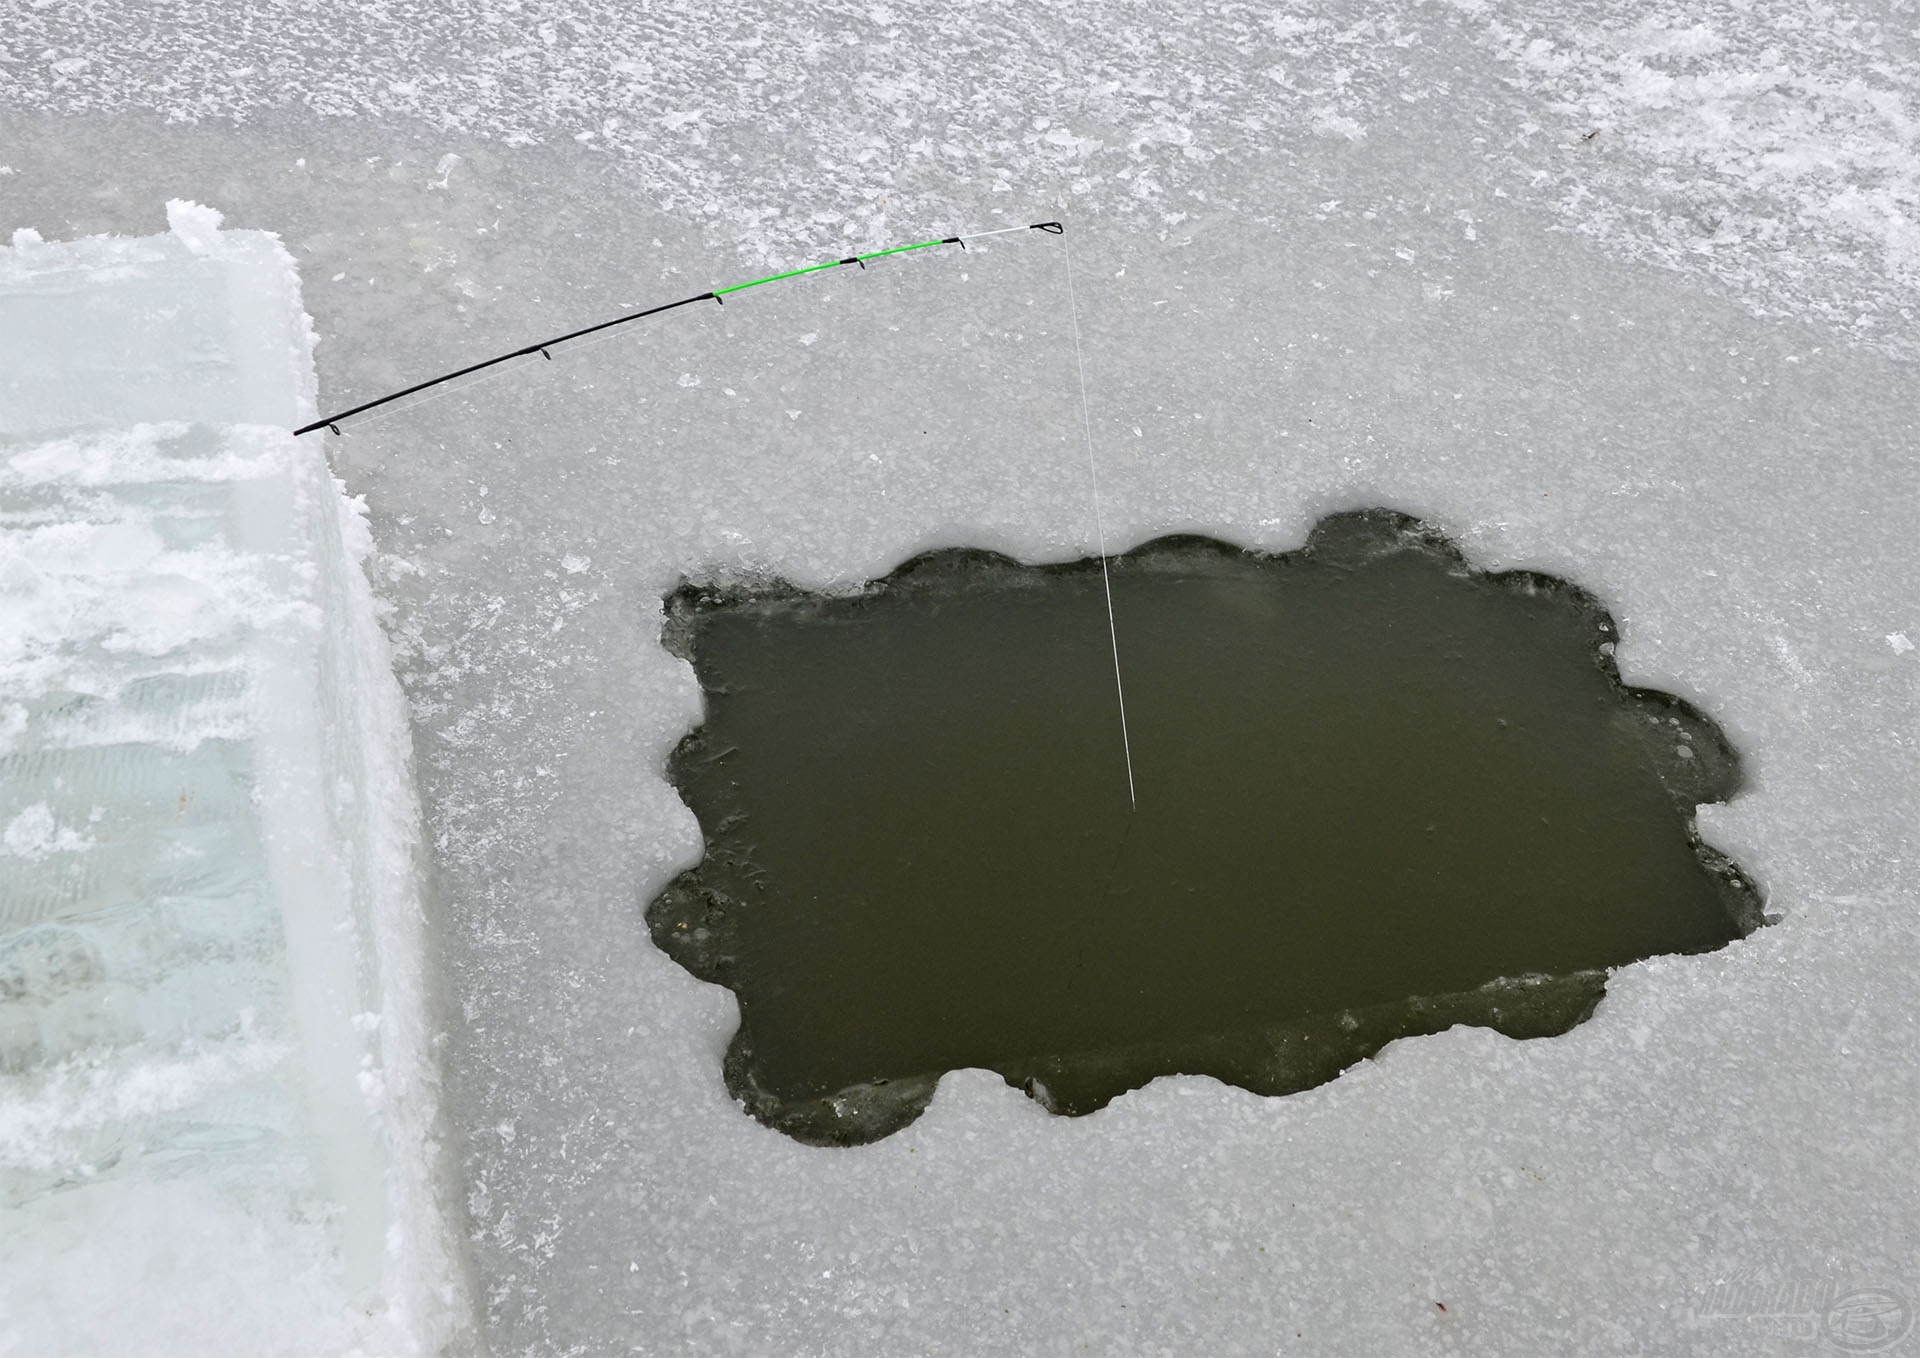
<point>207,832</point>
<point>197,226</point>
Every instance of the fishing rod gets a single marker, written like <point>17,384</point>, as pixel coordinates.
<point>716,295</point>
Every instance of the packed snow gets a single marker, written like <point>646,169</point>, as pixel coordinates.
<point>1621,294</point>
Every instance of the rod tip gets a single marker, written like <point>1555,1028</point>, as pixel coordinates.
<point>1051,228</point>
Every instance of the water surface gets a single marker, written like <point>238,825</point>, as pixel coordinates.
<point>1378,794</point>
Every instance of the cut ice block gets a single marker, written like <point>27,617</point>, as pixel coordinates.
<point>211,1006</point>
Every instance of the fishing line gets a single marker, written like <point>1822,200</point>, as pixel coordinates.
<point>716,295</point>
<point>1099,527</point>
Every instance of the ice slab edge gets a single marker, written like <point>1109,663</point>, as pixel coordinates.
<point>218,1106</point>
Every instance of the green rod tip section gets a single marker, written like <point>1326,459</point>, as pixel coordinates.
<point>830,264</point>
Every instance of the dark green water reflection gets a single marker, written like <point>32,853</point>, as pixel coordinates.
<point>1379,794</point>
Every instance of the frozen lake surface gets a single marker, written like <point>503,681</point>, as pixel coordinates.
<point>1325,257</point>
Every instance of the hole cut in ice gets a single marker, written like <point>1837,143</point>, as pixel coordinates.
<point>1380,794</point>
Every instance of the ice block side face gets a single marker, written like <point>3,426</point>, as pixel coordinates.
<point>213,1069</point>
<point>135,907</point>
<point>1379,794</point>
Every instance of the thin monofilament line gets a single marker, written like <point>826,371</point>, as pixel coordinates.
<point>1099,526</point>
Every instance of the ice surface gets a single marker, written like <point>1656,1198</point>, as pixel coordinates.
<point>216,1112</point>
<point>1328,256</point>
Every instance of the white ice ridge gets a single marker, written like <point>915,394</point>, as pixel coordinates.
<point>214,1055</point>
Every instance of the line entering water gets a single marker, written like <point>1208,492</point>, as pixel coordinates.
<point>1099,527</point>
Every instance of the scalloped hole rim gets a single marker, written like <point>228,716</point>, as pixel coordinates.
<point>1380,793</point>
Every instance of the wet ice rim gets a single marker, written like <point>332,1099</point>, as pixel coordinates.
<point>697,918</point>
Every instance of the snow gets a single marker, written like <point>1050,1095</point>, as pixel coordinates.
<point>1326,256</point>
<point>206,866</point>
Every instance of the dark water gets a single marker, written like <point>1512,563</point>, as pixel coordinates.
<point>1378,795</point>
